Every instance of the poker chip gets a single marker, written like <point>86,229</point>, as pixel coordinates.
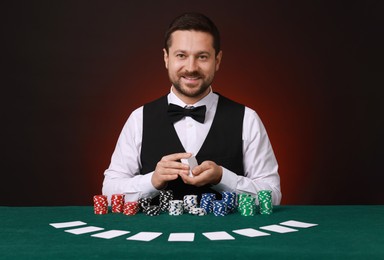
<point>206,202</point>
<point>229,199</point>
<point>117,203</point>
<point>165,197</point>
<point>197,211</point>
<point>243,202</point>
<point>100,204</point>
<point>153,210</point>
<point>144,203</point>
<point>145,206</point>
<point>190,201</point>
<point>176,207</point>
<point>265,202</point>
<point>219,208</point>
<point>131,208</point>
<point>246,205</point>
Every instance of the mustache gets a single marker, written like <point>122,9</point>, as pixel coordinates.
<point>191,74</point>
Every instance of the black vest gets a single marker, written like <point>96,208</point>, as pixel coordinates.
<point>223,144</point>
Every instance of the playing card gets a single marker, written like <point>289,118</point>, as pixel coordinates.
<point>145,236</point>
<point>110,234</point>
<point>185,237</point>
<point>278,229</point>
<point>220,235</point>
<point>250,232</point>
<point>299,224</point>
<point>83,230</point>
<point>68,224</point>
<point>192,162</point>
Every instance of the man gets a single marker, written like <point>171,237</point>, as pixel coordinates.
<point>229,140</point>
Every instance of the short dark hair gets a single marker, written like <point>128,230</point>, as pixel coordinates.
<point>193,22</point>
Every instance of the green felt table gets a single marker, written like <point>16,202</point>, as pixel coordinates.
<point>343,232</point>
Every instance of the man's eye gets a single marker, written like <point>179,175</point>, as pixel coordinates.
<point>180,56</point>
<point>203,57</point>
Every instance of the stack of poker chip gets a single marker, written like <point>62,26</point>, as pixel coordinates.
<point>117,203</point>
<point>198,211</point>
<point>190,201</point>
<point>247,205</point>
<point>230,200</point>
<point>206,202</point>
<point>100,204</point>
<point>131,208</point>
<point>176,207</point>
<point>153,210</point>
<point>165,197</point>
<point>144,203</point>
<point>265,202</point>
<point>219,208</point>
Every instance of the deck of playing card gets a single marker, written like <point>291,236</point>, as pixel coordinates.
<point>192,162</point>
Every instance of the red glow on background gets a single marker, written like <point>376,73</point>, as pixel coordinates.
<point>77,70</point>
<point>287,118</point>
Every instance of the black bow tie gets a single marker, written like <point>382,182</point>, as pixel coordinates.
<point>176,113</point>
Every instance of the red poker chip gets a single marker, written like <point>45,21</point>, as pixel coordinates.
<point>100,203</point>
<point>131,208</point>
<point>117,203</point>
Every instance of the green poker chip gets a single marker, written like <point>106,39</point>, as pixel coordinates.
<point>265,202</point>
<point>246,205</point>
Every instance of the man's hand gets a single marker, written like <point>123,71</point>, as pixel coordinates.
<point>206,173</point>
<point>168,169</point>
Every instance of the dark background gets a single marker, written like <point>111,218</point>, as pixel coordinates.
<point>73,71</point>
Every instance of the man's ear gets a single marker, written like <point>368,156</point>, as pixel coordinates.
<point>166,58</point>
<point>218,59</point>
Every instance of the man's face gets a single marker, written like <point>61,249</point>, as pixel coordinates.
<point>191,64</point>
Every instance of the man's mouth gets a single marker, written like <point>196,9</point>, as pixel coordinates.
<point>191,78</point>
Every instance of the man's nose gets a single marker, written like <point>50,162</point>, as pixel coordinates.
<point>191,64</point>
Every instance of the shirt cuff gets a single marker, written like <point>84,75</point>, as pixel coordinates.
<point>148,190</point>
<point>228,181</point>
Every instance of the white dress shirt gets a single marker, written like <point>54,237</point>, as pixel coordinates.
<point>260,165</point>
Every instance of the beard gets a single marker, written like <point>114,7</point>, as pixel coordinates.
<point>189,90</point>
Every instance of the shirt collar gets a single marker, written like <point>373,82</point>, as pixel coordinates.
<point>208,100</point>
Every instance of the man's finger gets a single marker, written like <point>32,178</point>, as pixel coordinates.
<point>167,165</point>
<point>176,156</point>
<point>206,165</point>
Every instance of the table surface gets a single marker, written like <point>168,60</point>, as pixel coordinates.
<point>353,232</point>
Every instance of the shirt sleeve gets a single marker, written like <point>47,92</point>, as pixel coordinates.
<point>123,174</point>
<point>260,164</point>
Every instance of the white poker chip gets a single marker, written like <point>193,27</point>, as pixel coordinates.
<point>198,212</point>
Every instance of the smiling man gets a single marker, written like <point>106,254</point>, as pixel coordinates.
<point>192,62</point>
<point>228,139</point>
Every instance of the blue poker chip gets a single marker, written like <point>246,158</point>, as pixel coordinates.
<point>220,208</point>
